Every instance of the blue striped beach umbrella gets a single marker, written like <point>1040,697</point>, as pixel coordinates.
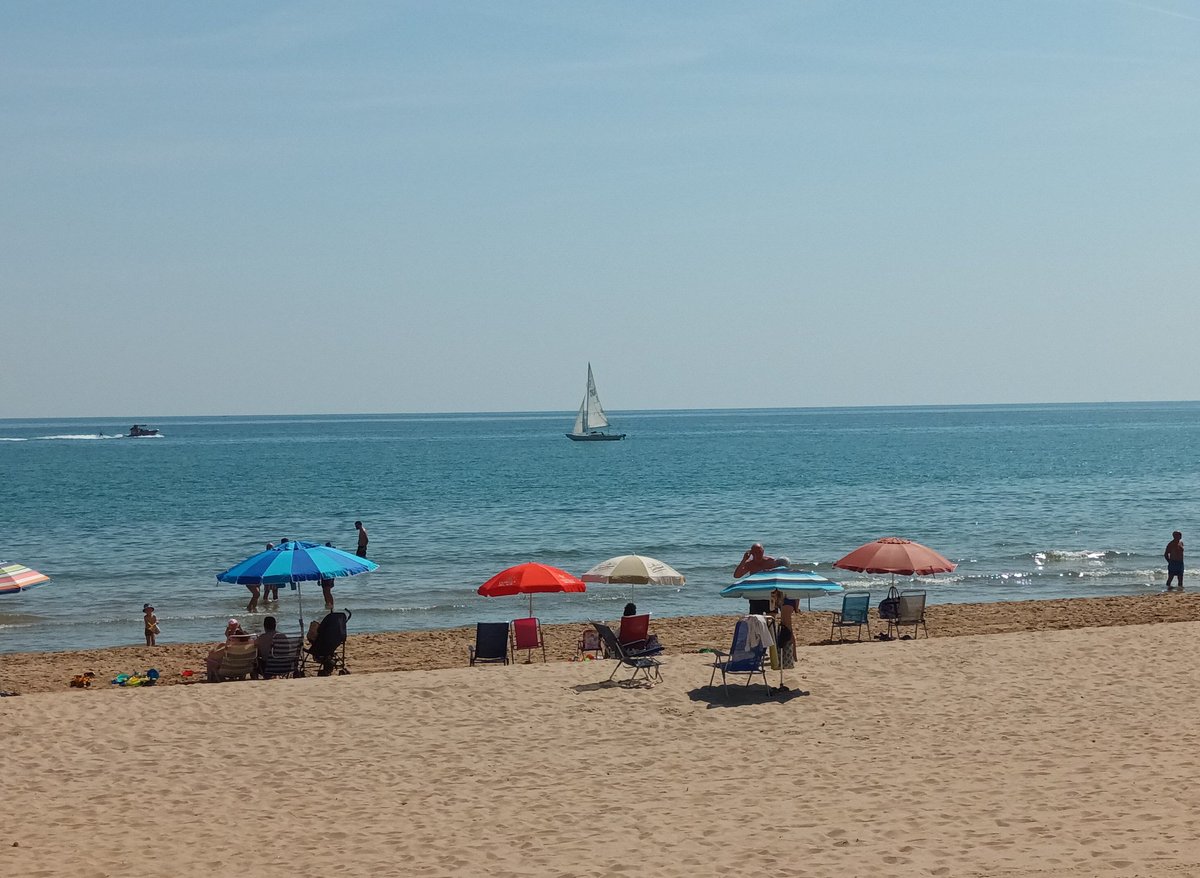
<point>294,562</point>
<point>793,584</point>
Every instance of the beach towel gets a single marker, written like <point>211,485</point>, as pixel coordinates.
<point>758,634</point>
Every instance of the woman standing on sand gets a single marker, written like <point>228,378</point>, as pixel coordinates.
<point>785,638</point>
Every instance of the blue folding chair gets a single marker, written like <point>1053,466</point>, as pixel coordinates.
<point>741,658</point>
<point>491,643</point>
<point>854,614</point>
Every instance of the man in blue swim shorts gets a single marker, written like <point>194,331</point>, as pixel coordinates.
<point>1174,556</point>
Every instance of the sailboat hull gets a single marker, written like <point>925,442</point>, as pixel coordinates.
<point>595,437</point>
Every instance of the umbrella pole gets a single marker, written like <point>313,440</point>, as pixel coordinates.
<point>300,598</point>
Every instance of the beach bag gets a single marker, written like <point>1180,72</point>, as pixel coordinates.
<point>889,607</point>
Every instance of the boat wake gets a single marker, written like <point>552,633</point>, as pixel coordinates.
<point>74,437</point>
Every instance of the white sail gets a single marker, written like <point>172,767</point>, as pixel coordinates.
<point>591,419</point>
<point>593,413</point>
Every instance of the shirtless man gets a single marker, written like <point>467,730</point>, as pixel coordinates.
<point>1174,556</point>
<point>362,539</point>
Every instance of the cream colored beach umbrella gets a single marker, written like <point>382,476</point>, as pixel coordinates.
<point>634,570</point>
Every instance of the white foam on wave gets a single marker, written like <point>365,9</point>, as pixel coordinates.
<point>12,439</point>
<point>1041,558</point>
<point>81,437</point>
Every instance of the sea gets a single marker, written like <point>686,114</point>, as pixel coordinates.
<point>1031,501</point>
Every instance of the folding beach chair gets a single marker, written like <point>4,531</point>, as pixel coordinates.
<point>491,643</point>
<point>910,610</point>
<point>284,660</point>
<point>641,664</point>
<point>589,643</point>
<point>527,635</point>
<point>238,661</point>
<point>328,651</point>
<point>853,615</point>
<point>741,658</point>
<point>635,636</point>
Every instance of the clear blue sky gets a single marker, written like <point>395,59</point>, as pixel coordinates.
<point>212,208</point>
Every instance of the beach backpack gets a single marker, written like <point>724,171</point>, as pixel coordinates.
<point>889,607</point>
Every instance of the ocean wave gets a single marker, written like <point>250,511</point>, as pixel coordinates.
<point>1050,556</point>
<point>1008,577</point>
<point>18,619</point>
<point>12,439</point>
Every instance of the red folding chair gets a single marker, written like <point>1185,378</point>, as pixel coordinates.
<point>527,635</point>
<point>635,631</point>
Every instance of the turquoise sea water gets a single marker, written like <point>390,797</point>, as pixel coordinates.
<point>1032,501</point>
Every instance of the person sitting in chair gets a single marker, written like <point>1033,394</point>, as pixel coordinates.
<point>264,643</point>
<point>233,634</point>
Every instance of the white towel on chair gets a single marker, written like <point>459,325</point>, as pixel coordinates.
<point>758,633</point>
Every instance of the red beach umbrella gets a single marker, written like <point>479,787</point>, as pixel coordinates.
<point>895,555</point>
<point>531,578</point>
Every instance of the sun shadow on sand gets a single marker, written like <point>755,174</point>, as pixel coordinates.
<point>715,696</point>
<point>581,688</point>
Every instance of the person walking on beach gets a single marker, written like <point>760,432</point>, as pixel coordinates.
<point>362,539</point>
<point>1174,555</point>
<point>151,621</point>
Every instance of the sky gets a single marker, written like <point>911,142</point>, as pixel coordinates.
<point>262,208</point>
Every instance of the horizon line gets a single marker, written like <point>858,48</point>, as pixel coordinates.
<point>444,413</point>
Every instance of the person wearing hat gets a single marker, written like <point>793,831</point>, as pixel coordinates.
<point>234,633</point>
<point>151,621</point>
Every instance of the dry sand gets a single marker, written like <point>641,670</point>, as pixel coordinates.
<point>1067,752</point>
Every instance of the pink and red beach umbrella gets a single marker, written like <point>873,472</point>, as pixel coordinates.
<point>531,578</point>
<point>16,578</point>
<point>895,555</point>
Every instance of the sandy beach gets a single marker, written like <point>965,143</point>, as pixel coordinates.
<point>34,672</point>
<point>1064,752</point>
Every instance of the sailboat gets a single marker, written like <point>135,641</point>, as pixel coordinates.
<point>591,420</point>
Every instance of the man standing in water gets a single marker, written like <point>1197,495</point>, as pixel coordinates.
<point>1174,556</point>
<point>362,539</point>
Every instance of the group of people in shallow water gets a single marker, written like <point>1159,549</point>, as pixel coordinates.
<point>270,593</point>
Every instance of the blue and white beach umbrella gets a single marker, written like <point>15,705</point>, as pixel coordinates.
<point>294,562</point>
<point>793,584</point>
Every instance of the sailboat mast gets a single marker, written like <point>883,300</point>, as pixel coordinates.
<point>587,398</point>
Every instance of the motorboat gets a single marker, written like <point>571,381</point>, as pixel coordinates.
<point>141,430</point>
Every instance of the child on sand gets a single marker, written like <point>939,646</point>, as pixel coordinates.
<point>151,621</point>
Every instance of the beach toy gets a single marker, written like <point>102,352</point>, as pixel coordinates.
<point>152,676</point>
<point>186,672</point>
<point>121,680</point>
<point>134,680</point>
